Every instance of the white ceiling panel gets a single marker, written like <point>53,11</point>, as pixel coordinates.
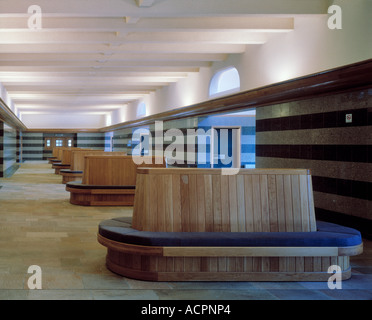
<point>99,55</point>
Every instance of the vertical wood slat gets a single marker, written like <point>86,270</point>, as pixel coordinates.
<point>265,222</point>
<point>208,203</point>
<point>201,204</point>
<point>176,197</point>
<point>273,203</point>
<point>304,200</point>
<point>311,204</point>
<point>288,204</point>
<point>159,218</point>
<point>225,208</point>
<point>257,223</point>
<point>248,194</point>
<point>185,203</point>
<point>280,202</point>
<point>193,218</point>
<point>241,203</point>
<point>216,200</point>
<point>153,208</point>
<point>233,204</point>
<point>198,201</point>
<point>297,224</point>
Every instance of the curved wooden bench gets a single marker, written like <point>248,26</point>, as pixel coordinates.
<point>108,180</point>
<point>198,225</point>
<point>330,244</point>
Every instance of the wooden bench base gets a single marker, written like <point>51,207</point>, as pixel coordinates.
<point>100,196</point>
<point>68,175</point>
<point>222,268</point>
<point>51,159</point>
<point>152,267</point>
<point>58,167</point>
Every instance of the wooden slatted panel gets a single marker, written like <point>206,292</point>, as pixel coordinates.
<point>254,200</point>
<point>225,268</point>
<point>78,157</point>
<point>112,169</point>
<point>66,157</point>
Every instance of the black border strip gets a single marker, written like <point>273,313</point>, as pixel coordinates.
<point>334,119</point>
<point>344,153</point>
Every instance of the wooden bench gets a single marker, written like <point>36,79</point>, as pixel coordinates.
<point>54,156</point>
<point>200,225</point>
<point>64,155</point>
<point>57,155</point>
<point>75,172</point>
<point>108,180</point>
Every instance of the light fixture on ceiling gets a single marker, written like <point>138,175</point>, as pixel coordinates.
<point>145,3</point>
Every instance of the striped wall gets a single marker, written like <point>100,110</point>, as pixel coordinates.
<point>121,141</point>
<point>9,150</point>
<point>32,146</point>
<point>177,139</point>
<point>247,123</point>
<point>315,134</point>
<point>126,140</point>
<point>91,140</point>
<point>33,143</point>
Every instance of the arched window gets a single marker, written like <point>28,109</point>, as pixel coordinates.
<point>224,82</point>
<point>141,109</point>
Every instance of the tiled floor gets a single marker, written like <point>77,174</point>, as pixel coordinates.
<point>38,226</point>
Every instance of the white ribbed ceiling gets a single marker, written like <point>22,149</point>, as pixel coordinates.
<point>98,55</point>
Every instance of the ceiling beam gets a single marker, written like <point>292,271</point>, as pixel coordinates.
<point>219,23</point>
<point>164,8</point>
<point>109,64</point>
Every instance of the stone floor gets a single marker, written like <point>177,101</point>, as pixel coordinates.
<point>38,226</point>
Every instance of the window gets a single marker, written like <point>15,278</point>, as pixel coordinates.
<point>52,142</point>
<point>224,82</point>
<point>141,109</point>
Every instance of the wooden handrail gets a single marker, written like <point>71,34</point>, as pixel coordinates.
<point>336,80</point>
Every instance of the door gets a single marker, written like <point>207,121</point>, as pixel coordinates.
<point>52,142</point>
<point>225,147</point>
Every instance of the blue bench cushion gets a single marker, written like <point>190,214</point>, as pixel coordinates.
<point>71,171</point>
<point>79,185</point>
<point>327,235</point>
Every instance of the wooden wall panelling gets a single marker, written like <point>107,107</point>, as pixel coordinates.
<point>206,200</point>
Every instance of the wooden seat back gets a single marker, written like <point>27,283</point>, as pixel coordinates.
<point>55,152</point>
<point>112,170</point>
<point>60,152</point>
<point>78,157</point>
<point>202,200</point>
<point>66,155</point>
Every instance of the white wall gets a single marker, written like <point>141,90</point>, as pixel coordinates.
<point>310,48</point>
<point>82,121</point>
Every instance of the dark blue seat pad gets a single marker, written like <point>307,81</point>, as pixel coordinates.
<point>79,185</point>
<point>71,171</point>
<point>327,235</point>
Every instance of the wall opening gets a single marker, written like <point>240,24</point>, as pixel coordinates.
<point>224,82</point>
<point>141,109</point>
